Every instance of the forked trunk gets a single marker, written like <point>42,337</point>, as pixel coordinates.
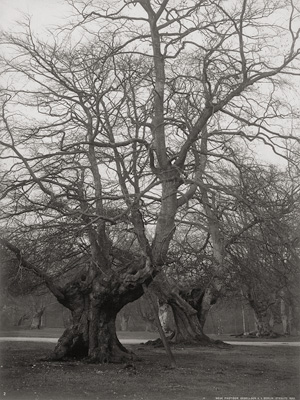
<point>94,303</point>
<point>94,294</point>
<point>263,315</point>
<point>264,322</point>
<point>36,322</point>
<point>188,327</point>
<point>92,335</point>
<point>202,300</point>
<point>210,296</point>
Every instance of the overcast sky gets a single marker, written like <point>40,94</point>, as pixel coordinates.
<point>43,12</point>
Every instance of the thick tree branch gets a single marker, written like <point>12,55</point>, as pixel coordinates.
<point>26,264</point>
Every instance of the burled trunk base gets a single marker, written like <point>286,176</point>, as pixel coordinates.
<point>189,330</point>
<point>93,338</point>
<point>264,322</point>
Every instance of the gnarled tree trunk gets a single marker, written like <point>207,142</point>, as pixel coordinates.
<point>36,322</point>
<point>94,304</point>
<point>263,314</point>
<point>188,328</point>
<point>93,333</point>
<point>264,319</point>
<point>264,323</point>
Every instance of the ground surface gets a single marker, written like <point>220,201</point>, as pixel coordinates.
<point>201,373</point>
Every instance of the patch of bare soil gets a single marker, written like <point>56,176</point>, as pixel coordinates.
<point>201,373</point>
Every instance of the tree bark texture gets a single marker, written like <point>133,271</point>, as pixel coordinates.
<point>188,328</point>
<point>263,325</point>
<point>94,305</point>
<point>286,314</point>
<point>264,320</point>
<point>36,322</point>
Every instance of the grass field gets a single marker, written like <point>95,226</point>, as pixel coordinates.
<point>202,373</point>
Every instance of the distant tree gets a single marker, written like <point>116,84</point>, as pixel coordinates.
<point>266,258</point>
<point>252,212</point>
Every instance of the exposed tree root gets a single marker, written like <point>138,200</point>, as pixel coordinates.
<point>201,341</point>
<point>257,335</point>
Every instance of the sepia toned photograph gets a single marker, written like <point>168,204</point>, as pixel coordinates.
<point>150,199</point>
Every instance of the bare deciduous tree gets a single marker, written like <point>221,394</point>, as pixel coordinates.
<point>110,131</point>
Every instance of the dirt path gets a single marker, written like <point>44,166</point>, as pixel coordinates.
<point>140,341</point>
